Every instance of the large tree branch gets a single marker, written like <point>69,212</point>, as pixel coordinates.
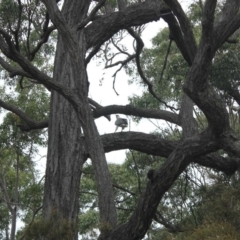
<point>139,112</point>
<point>100,30</point>
<point>227,23</point>
<point>154,145</point>
<point>197,86</point>
<point>186,28</point>
<point>59,21</point>
<point>142,142</point>
<point>100,111</point>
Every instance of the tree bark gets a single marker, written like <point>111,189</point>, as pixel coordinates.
<point>65,153</point>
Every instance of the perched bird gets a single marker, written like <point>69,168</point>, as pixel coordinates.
<point>121,122</point>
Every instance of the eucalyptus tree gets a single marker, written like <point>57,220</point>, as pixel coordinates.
<point>82,28</point>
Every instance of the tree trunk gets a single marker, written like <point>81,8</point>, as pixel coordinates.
<point>65,153</point>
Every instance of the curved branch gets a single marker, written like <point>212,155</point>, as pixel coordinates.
<point>44,39</point>
<point>31,123</point>
<point>140,45</point>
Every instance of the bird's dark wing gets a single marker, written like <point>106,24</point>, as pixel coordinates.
<point>125,121</point>
<point>121,121</point>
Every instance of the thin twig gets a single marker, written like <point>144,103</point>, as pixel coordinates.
<point>137,171</point>
<point>124,189</point>
<point>140,45</point>
<point>118,48</point>
<point>165,60</point>
<point>29,225</point>
<point>124,62</point>
<point>44,39</point>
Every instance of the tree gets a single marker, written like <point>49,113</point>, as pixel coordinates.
<point>83,27</point>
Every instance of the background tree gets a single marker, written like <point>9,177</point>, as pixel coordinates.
<point>20,187</point>
<point>82,28</point>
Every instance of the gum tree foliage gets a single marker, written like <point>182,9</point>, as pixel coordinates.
<point>82,28</point>
<point>196,207</point>
<point>20,187</point>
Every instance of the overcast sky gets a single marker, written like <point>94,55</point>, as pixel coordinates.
<point>105,95</point>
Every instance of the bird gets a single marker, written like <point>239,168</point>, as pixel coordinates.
<point>121,122</point>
